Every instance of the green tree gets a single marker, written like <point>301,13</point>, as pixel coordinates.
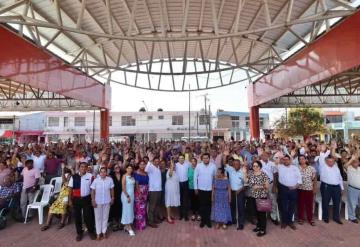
<point>300,122</point>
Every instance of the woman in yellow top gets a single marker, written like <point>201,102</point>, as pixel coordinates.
<point>60,206</point>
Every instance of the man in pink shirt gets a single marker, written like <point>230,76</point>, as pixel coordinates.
<point>31,177</point>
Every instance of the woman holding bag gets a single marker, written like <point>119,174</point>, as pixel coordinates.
<point>259,184</point>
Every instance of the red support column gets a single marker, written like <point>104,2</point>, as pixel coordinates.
<point>254,122</point>
<point>104,125</point>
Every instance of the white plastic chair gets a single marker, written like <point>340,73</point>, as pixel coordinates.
<point>57,182</point>
<point>47,190</point>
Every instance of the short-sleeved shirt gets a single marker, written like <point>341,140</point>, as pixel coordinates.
<point>102,187</point>
<point>259,180</point>
<point>191,177</point>
<point>30,177</point>
<point>86,180</point>
<point>307,174</point>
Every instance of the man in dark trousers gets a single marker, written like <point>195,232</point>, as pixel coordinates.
<point>182,168</point>
<point>79,185</point>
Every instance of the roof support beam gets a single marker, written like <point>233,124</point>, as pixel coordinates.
<point>312,64</point>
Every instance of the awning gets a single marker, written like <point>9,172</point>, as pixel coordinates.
<point>6,133</point>
<point>29,133</point>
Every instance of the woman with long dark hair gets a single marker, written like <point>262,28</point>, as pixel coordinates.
<point>141,195</point>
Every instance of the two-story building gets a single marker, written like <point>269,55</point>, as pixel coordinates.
<point>144,126</point>
<point>237,125</point>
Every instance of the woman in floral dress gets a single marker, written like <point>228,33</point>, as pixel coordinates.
<point>141,194</point>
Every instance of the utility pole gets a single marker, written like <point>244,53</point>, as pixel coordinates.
<point>189,115</point>
<point>197,124</point>
<point>209,121</point>
<point>147,119</point>
<point>93,130</point>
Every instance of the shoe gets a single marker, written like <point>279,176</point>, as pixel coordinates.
<point>202,225</point>
<point>209,225</point>
<point>152,225</point>
<point>186,219</point>
<point>131,233</point>
<point>326,221</point>
<point>339,222</point>
<point>283,226</point>
<point>61,226</point>
<point>157,222</point>
<point>300,222</point>
<point>292,226</point>
<point>181,218</point>
<point>92,236</point>
<point>198,218</point>
<point>106,235</point>
<point>355,221</point>
<point>170,221</point>
<point>193,218</point>
<point>79,238</point>
<point>257,229</point>
<point>275,222</point>
<point>44,228</point>
<point>312,223</point>
<point>261,233</point>
<point>98,237</point>
<point>241,227</point>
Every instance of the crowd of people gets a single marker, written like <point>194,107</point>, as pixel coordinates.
<point>132,185</point>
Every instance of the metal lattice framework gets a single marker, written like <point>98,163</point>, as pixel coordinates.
<point>20,97</point>
<point>173,45</point>
<point>342,90</point>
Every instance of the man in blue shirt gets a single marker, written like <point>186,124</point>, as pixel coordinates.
<point>238,178</point>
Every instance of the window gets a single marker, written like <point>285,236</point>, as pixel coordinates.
<point>110,120</point>
<point>235,118</point>
<point>235,124</point>
<point>177,120</point>
<point>127,121</point>
<point>53,137</point>
<point>203,119</point>
<point>79,121</point>
<point>53,121</point>
<point>161,117</point>
<point>149,117</point>
<point>247,121</point>
<point>261,122</point>
<point>177,136</point>
<point>6,121</point>
<point>334,119</point>
<point>66,121</point>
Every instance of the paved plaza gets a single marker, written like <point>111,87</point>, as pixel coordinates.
<point>187,235</point>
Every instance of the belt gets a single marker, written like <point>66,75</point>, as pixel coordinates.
<point>332,185</point>
<point>353,187</point>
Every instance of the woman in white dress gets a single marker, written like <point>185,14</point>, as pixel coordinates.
<point>172,192</point>
<point>127,200</point>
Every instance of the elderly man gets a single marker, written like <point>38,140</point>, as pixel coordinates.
<point>353,174</point>
<point>270,169</point>
<point>238,178</point>
<point>331,185</point>
<point>289,180</point>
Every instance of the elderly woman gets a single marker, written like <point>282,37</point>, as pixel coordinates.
<point>102,195</point>
<point>60,206</point>
<point>259,185</point>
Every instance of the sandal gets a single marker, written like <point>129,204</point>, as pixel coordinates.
<point>217,226</point>
<point>312,223</point>
<point>193,218</point>
<point>224,227</point>
<point>198,218</point>
<point>300,222</point>
<point>61,226</point>
<point>44,228</point>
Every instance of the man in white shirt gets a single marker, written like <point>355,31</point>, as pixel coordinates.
<point>204,175</point>
<point>289,179</point>
<point>270,169</point>
<point>331,185</point>
<point>39,160</point>
<point>154,173</point>
<point>182,168</point>
<point>353,175</point>
<point>79,185</point>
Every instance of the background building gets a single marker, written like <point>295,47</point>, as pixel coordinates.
<point>343,124</point>
<point>238,124</point>
<point>153,126</point>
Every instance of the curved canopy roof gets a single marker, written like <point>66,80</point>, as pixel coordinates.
<point>174,45</point>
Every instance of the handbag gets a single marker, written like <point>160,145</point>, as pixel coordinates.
<point>263,205</point>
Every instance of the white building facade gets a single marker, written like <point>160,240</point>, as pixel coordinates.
<point>141,126</point>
